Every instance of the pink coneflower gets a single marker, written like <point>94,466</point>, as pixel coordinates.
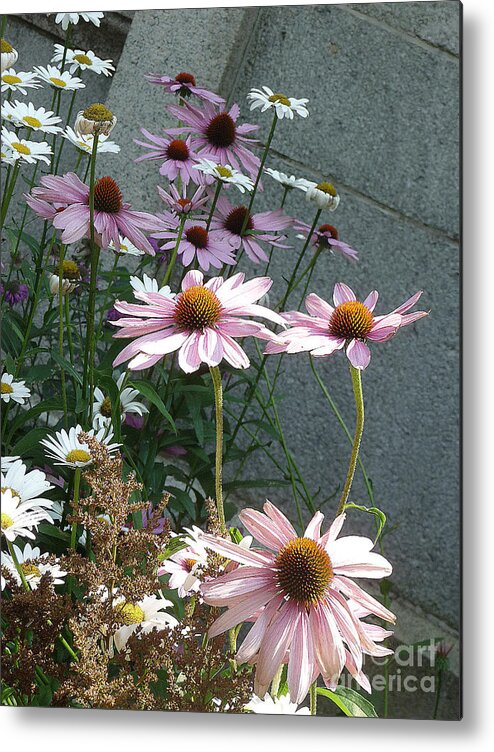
<point>14,292</point>
<point>183,85</point>
<point>200,322</point>
<point>220,138</point>
<point>230,220</point>
<point>180,203</point>
<point>326,237</point>
<point>349,323</point>
<point>210,247</point>
<point>305,596</point>
<point>177,158</point>
<point>112,217</point>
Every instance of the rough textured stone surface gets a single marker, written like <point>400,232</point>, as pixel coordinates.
<point>384,112</point>
<point>437,23</point>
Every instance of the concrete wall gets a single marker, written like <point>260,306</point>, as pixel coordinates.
<point>383,84</point>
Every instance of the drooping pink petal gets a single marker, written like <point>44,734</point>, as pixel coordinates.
<point>358,354</point>
<point>276,642</point>
<point>301,659</point>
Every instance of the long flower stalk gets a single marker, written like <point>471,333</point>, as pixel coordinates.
<point>173,259</point>
<point>294,281</point>
<point>60,335</point>
<point>359,429</point>
<point>259,173</point>
<point>217,192</point>
<point>88,375</point>
<point>75,505</point>
<point>218,401</point>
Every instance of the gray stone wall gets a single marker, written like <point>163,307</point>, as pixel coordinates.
<point>383,84</point>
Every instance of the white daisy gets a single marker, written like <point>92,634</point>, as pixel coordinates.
<point>289,181</point>
<point>7,156</point>
<point>71,452</point>
<point>150,285</point>
<point>141,617</point>
<point>284,106</point>
<point>38,119</point>
<point>29,487</point>
<point>17,519</point>
<point>71,276</point>
<point>26,151</point>
<point>80,60</point>
<point>72,18</point>
<point>8,54</point>
<point>225,174</point>
<point>19,81</point>
<point>85,143</point>
<point>102,407</point>
<point>277,706</point>
<point>127,248</point>
<point>6,462</point>
<point>58,79</point>
<point>13,390</point>
<point>324,195</point>
<point>34,565</point>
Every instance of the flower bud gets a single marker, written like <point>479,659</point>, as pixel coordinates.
<point>9,55</point>
<point>95,119</point>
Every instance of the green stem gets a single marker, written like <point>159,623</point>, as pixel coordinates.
<point>9,190</point>
<point>291,284</point>
<point>359,429</point>
<point>213,205</point>
<point>107,295</point>
<point>88,376</point>
<point>75,506</point>
<point>25,585</point>
<point>439,682</point>
<point>285,194</point>
<point>69,329</point>
<point>275,684</point>
<point>218,401</point>
<point>344,426</point>
<point>313,698</point>
<point>63,140</point>
<point>60,335</point>
<point>259,173</point>
<point>171,263</point>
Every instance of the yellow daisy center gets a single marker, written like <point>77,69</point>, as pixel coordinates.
<point>5,46</point>
<point>70,270</point>
<point>6,388</point>
<point>280,99</point>
<point>6,521</point>
<point>30,569</point>
<point>223,171</point>
<point>83,59</point>
<point>327,188</point>
<point>32,121</point>
<point>98,112</point>
<point>304,571</point>
<point>129,613</point>
<point>197,308</point>
<point>9,79</point>
<point>58,82</point>
<point>351,320</point>
<point>21,148</point>
<point>77,455</point>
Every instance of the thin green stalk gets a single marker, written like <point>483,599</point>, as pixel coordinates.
<point>439,683</point>
<point>63,140</point>
<point>218,402</point>
<point>259,173</point>
<point>77,484</point>
<point>60,335</point>
<point>217,192</point>
<point>285,194</point>
<point>107,295</point>
<point>344,426</point>
<point>275,684</point>
<point>89,352</point>
<point>291,285</point>
<point>9,190</point>
<point>171,263</point>
<point>359,429</point>
<point>313,698</point>
<point>17,565</point>
<point>68,326</point>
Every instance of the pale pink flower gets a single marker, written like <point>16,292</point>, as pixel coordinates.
<point>175,154</point>
<point>216,135</point>
<point>326,236</point>
<point>349,323</point>
<point>186,565</point>
<point>112,217</point>
<point>180,203</point>
<point>264,226</point>
<point>303,596</point>
<point>200,322</point>
<point>184,84</point>
<point>210,247</point>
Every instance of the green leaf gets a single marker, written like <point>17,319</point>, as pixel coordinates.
<point>66,366</point>
<point>259,483</point>
<point>350,702</point>
<point>31,439</point>
<point>148,391</point>
<point>42,407</point>
<point>379,515</point>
